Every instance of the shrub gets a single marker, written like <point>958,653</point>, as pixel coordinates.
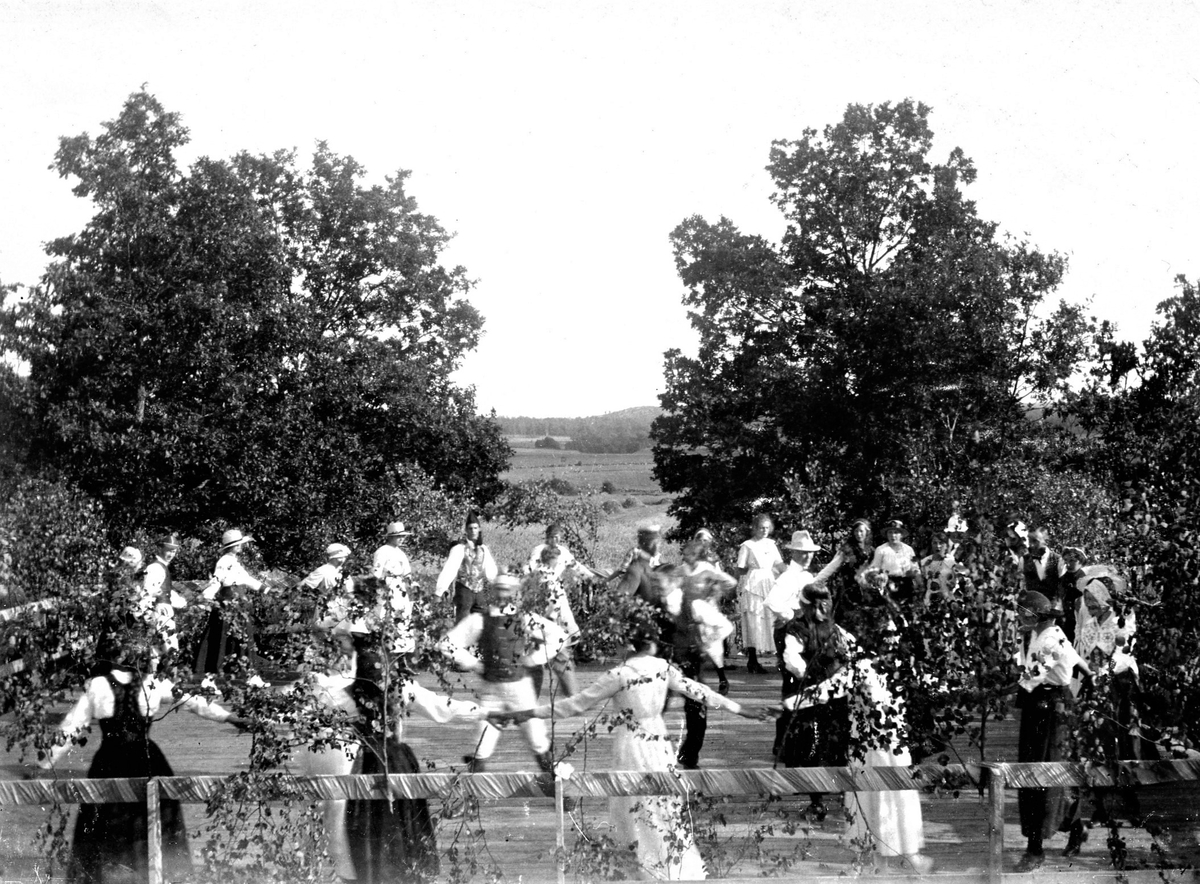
<point>562,487</point>
<point>610,507</point>
<point>548,442</point>
<point>630,502</point>
<point>607,487</point>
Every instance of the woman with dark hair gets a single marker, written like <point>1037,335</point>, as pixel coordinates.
<point>863,611</point>
<point>635,692</point>
<point>375,840</point>
<point>125,700</point>
<point>469,568</point>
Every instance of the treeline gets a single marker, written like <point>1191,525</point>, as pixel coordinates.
<point>618,432</point>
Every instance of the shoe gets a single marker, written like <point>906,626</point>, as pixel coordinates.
<point>1031,862</point>
<point>682,765</point>
<point>921,863</point>
<point>723,688</point>
<point>1075,840</point>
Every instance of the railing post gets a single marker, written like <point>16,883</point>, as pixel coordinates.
<point>995,794</point>
<point>560,854</point>
<point>154,832</point>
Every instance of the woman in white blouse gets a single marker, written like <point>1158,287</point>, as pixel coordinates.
<point>223,642</point>
<point>126,701</point>
<point>758,563</point>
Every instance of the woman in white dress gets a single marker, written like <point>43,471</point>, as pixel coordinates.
<point>758,562</point>
<point>655,826</point>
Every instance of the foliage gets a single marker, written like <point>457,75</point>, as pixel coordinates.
<point>1145,437</point>
<point>889,317</point>
<point>548,442</point>
<point>248,341</point>
<point>542,502</point>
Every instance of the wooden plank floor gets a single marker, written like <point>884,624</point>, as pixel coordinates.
<point>518,836</point>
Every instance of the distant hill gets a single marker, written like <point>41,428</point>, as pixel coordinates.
<point>626,430</point>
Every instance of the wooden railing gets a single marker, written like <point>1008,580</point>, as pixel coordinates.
<point>995,779</point>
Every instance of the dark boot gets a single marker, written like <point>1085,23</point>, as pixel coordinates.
<point>722,682</point>
<point>1075,839</point>
<point>752,664</point>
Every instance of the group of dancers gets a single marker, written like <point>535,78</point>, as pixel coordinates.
<point>510,629</point>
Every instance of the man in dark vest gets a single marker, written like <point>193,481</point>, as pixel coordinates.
<point>505,646</point>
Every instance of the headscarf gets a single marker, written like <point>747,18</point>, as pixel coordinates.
<point>1101,633</point>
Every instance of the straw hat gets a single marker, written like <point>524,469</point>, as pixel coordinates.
<point>802,542</point>
<point>233,537</point>
<point>337,551</point>
<point>396,529</point>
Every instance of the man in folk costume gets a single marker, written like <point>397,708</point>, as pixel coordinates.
<point>469,569</point>
<point>785,598</point>
<point>1046,663</point>
<point>1042,568</point>
<point>508,646</point>
<point>817,653</point>
<point>391,565</point>
<point>159,600</point>
<point>642,558</point>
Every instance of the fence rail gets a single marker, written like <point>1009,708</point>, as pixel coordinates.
<point>993,778</point>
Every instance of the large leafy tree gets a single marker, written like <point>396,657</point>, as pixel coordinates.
<point>1142,420</point>
<point>889,323</point>
<point>250,342</point>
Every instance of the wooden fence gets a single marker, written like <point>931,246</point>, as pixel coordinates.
<point>996,778</point>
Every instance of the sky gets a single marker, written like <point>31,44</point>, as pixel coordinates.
<point>562,142</point>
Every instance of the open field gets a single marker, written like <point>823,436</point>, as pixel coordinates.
<point>629,473</point>
<point>518,835</point>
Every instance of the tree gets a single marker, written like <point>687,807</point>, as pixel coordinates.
<point>1142,416</point>
<point>890,319</point>
<point>249,342</point>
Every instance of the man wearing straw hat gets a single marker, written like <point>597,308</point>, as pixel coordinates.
<point>391,565</point>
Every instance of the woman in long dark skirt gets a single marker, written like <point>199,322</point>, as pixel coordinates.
<point>110,840</point>
<point>385,840</point>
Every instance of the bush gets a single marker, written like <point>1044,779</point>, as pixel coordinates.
<point>548,442</point>
<point>630,502</point>
<point>607,487</point>
<point>610,507</point>
<point>562,487</point>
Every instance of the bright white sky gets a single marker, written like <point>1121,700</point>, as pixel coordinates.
<point>562,141</point>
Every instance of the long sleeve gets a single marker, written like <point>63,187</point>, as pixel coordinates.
<point>681,684</point>
<point>76,722</point>
<point>785,592</point>
<point>436,707</point>
<point>449,570</point>
<point>596,693</point>
<point>829,570</point>
<point>229,572</point>
<point>457,643</point>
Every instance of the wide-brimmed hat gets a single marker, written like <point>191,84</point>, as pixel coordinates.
<point>895,525</point>
<point>234,537</point>
<point>396,529</point>
<point>1035,603</point>
<point>337,551</point>
<point>131,556</point>
<point>802,542</point>
<point>168,541</point>
<point>1117,585</point>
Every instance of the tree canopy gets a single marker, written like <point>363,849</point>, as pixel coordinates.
<point>890,321</point>
<point>248,341</point>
